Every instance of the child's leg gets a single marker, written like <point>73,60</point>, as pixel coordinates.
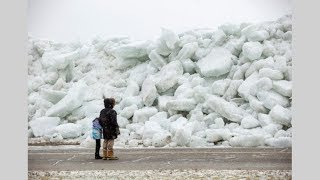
<point>98,145</point>
<point>104,145</point>
<point>110,143</point>
<point>105,149</point>
<point>110,150</point>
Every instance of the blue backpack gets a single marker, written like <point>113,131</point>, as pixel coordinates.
<point>96,129</point>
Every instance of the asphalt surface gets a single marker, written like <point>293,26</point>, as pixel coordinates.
<point>80,159</point>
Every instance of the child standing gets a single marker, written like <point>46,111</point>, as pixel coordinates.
<point>97,135</point>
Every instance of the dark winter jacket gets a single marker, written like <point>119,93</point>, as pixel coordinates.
<point>108,121</point>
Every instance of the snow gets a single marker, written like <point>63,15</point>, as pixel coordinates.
<point>132,89</point>
<point>161,139</point>
<point>196,114</point>
<point>280,63</point>
<point>88,142</point>
<point>30,133</point>
<point>129,101</point>
<point>257,65</point>
<point>232,90</point>
<point>168,76</point>
<point>249,122</point>
<point>163,174</point>
<point>70,102</point>
<point>281,115</point>
<point>283,133</point>
<point>247,141</point>
<point>128,112</point>
<point>187,38</point>
<point>184,91</point>
<point>200,88</point>
<point>51,78</point>
<point>56,137</point>
<point>122,122</point>
<point>270,73</point>
<point>283,87</point>
<point>235,45</point>
<point>188,66</point>
<point>249,29</point>
<point>183,136</point>
<point>210,118</point>
<point>133,143</point>
<point>245,88</point>
<point>252,50</point>
<point>256,105</point>
<point>180,122</point>
<point>181,104</point>
<point>288,75</point>
<point>216,63</point>
<point>187,51</point>
<point>86,124</point>
<point>136,50</point>
<point>88,109</point>
<point>157,59</point>
<point>60,83</point>
<point>59,61</point>
<point>225,108</point>
<point>262,84</point>
<point>281,142</point>
<point>143,115</point>
<point>42,125</point>
<point>201,93</point>
<point>272,129</point>
<point>148,92</point>
<point>219,123</point>
<point>268,48</point>
<point>162,102</point>
<point>140,72</point>
<point>169,37</point>
<point>215,135</point>
<point>133,128</point>
<point>230,29</point>
<point>162,119</point>
<point>258,35</point>
<point>150,129</point>
<point>271,98</point>
<point>68,130</point>
<point>219,87</point>
<point>219,37</point>
<point>196,142</point>
<point>36,83</point>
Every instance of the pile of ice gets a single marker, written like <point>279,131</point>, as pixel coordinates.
<point>201,88</point>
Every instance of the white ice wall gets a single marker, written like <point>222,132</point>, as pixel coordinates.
<point>230,87</point>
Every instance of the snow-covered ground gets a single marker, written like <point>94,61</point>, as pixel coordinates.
<point>163,174</point>
<point>228,87</point>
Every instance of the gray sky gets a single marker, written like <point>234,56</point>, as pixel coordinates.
<point>65,20</point>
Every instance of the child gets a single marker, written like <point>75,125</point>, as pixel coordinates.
<point>97,135</point>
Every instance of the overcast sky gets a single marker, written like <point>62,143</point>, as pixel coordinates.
<point>65,20</point>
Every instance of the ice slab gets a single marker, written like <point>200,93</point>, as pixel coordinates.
<point>216,63</point>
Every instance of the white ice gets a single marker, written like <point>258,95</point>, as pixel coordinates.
<point>200,88</point>
<point>217,63</point>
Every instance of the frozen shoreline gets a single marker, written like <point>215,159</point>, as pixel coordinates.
<point>78,147</point>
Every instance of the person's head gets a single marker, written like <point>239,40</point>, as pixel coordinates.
<point>109,102</point>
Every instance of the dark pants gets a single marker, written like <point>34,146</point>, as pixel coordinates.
<point>98,145</point>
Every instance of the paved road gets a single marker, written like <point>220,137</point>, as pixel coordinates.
<point>73,159</point>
